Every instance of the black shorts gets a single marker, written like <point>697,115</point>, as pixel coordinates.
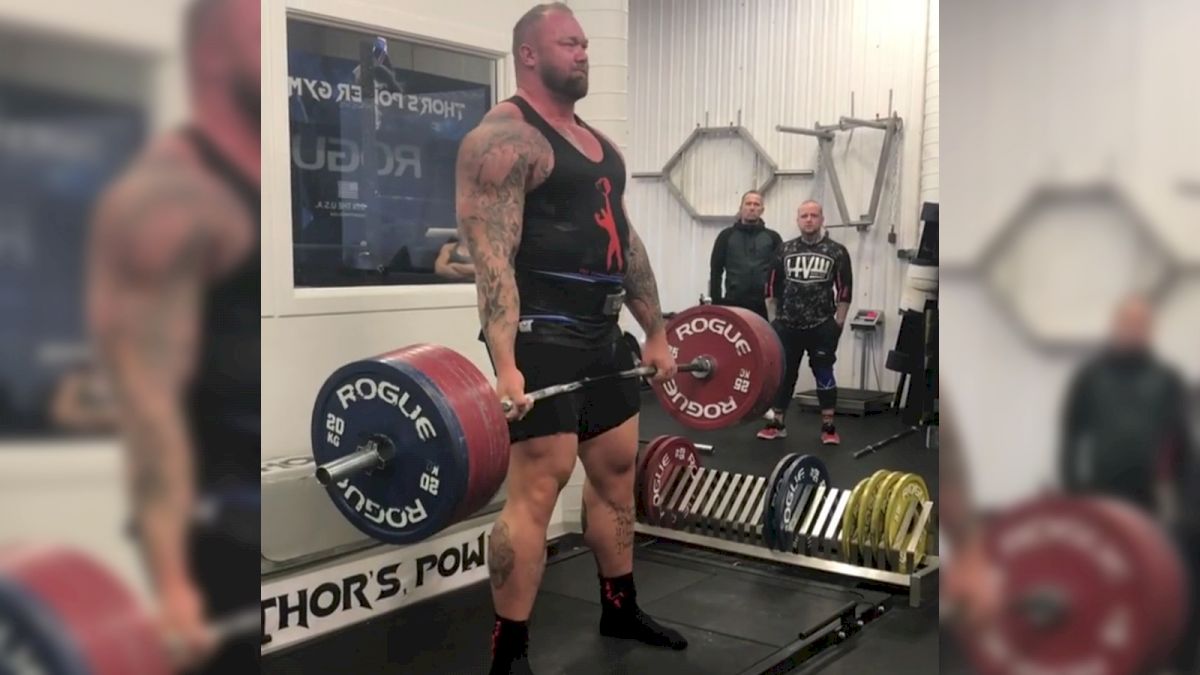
<point>588,412</point>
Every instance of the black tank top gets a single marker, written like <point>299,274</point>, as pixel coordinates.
<point>572,258</point>
<point>224,396</point>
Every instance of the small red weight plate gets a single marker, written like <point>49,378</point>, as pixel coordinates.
<point>640,475</point>
<point>674,455</point>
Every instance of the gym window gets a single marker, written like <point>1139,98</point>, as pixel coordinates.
<point>72,116</point>
<point>383,215</point>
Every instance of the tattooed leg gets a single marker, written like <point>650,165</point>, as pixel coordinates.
<point>537,470</point>
<point>608,498</point>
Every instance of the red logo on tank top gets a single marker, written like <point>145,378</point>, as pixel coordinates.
<point>609,224</point>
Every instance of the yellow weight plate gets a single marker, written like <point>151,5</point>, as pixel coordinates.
<point>879,510</point>
<point>911,489</point>
<point>850,517</point>
<point>867,503</point>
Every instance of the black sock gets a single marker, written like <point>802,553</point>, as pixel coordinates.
<point>510,646</point>
<point>617,593</point>
<point>621,617</point>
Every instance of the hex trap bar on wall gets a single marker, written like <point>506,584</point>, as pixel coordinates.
<point>700,133</point>
<point>824,134</point>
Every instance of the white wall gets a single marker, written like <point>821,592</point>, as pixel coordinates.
<point>930,136</point>
<point>71,494</point>
<point>123,28</point>
<point>766,63</point>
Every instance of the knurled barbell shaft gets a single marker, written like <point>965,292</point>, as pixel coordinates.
<point>700,366</point>
<point>240,624</point>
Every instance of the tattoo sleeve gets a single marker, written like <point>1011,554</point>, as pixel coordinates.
<point>149,255</point>
<point>497,162</point>
<point>641,288</point>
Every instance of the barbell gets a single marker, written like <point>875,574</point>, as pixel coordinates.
<point>701,367</point>
<point>379,449</point>
<point>63,612</point>
<point>411,441</point>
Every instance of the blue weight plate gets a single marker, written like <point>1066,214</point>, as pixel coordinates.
<point>34,636</point>
<point>419,492</point>
<point>769,500</point>
<point>804,471</point>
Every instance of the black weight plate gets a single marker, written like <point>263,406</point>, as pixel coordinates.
<point>768,521</point>
<point>805,470</point>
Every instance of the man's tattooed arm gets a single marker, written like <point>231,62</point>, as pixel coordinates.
<point>641,288</point>
<point>151,246</point>
<point>497,163</point>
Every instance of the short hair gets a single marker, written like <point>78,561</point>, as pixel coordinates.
<point>812,201</point>
<point>529,20</point>
<point>752,192</point>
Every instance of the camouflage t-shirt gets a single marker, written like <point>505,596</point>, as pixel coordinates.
<point>809,280</point>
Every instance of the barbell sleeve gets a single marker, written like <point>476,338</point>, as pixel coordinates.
<point>373,454</point>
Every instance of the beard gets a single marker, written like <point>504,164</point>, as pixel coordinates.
<point>571,85</point>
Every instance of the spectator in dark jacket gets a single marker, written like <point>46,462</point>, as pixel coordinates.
<point>742,259</point>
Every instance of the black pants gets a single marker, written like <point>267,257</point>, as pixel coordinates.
<point>820,343</point>
<point>1186,658</point>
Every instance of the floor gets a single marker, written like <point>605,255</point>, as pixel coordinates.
<point>740,615</point>
<point>904,640</point>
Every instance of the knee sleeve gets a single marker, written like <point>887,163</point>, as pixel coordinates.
<point>822,361</point>
<point>824,377</point>
<point>827,398</point>
<point>826,385</point>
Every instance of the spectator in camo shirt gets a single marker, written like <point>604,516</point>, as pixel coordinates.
<point>811,284</point>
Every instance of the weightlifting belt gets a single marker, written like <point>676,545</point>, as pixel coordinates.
<point>592,301</point>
